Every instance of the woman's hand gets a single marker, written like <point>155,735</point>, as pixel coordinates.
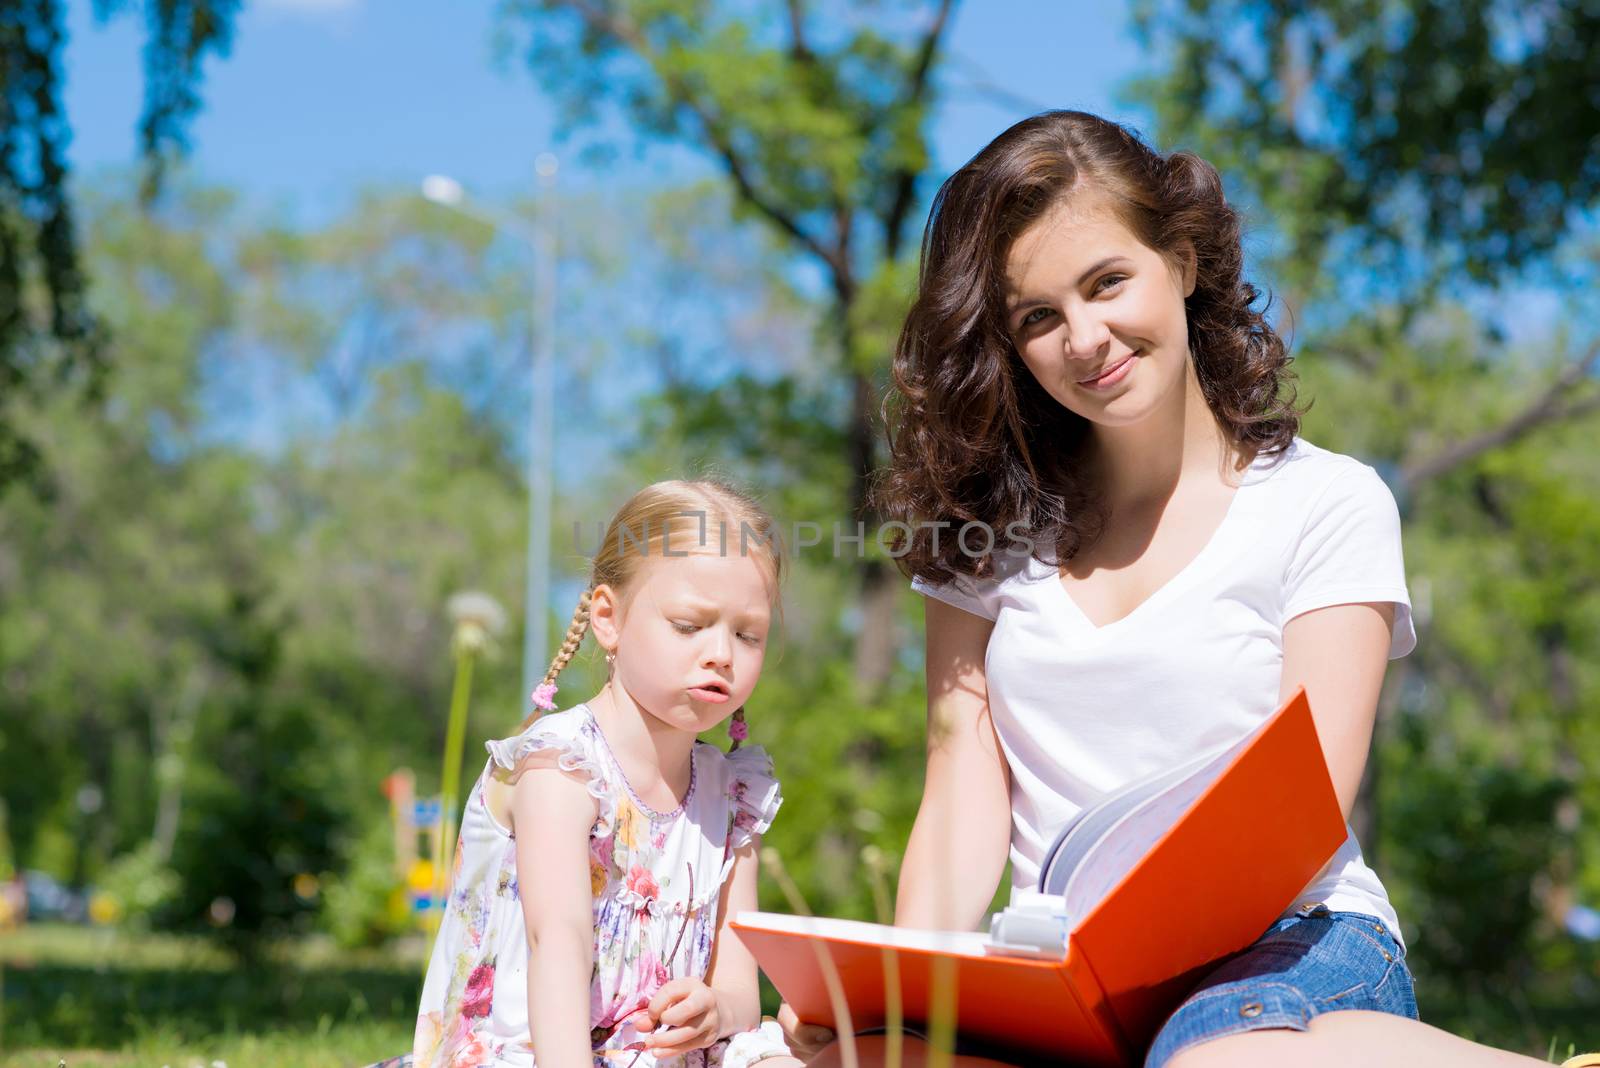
<point>805,1040</point>
<point>690,1011</point>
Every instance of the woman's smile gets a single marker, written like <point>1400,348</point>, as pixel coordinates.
<point>1111,374</point>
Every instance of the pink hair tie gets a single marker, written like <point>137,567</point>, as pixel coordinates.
<point>544,696</point>
<point>738,730</point>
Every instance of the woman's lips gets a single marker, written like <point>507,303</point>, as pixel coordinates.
<point>705,693</point>
<point>1111,375</point>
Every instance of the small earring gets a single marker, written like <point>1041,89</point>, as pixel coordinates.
<point>738,730</point>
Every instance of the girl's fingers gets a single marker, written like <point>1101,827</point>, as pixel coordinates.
<point>692,1007</point>
<point>806,1040</point>
<point>669,994</point>
<point>675,1041</point>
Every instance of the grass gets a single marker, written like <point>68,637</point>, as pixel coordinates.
<point>97,998</point>
<point>102,999</point>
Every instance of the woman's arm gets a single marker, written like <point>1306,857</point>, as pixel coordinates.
<point>552,813</point>
<point>959,841</point>
<point>1339,654</point>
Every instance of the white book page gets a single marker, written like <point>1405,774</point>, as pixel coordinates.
<point>1079,837</point>
<point>1115,853</point>
<point>960,943</point>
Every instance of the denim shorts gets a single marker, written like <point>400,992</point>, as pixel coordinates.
<point>1306,964</point>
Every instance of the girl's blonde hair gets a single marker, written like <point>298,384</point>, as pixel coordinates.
<point>698,515</point>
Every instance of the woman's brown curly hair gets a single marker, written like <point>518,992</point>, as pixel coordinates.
<point>973,437</point>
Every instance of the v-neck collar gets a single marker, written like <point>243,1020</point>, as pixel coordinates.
<point>1185,577</point>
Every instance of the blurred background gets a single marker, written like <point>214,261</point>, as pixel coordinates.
<point>296,294</point>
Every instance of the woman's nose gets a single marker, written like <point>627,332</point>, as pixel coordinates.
<point>1086,333</point>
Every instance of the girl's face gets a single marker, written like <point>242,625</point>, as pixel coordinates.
<point>1096,315</point>
<point>690,636</point>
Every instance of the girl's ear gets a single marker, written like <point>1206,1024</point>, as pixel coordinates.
<point>605,617</point>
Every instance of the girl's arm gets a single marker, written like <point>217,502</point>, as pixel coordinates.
<point>1339,654</point>
<point>732,972</point>
<point>692,1014</point>
<point>959,841</point>
<point>552,812</point>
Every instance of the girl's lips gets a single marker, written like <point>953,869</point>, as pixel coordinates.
<point>1112,375</point>
<point>704,693</point>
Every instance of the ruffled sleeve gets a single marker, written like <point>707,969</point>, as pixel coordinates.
<point>753,792</point>
<point>566,740</point>
<point>753,1046</point>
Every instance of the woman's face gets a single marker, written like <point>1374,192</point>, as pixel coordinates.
<point>1096,315</point>
<point>690,635</point>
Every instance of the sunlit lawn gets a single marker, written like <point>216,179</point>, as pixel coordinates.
<point>100,998</point>
<point>97,998</point>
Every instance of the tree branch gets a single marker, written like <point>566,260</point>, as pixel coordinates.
<point>1547,408</point>
<point>629,34</point>
<point>905,182</point>
<point>797,33</point>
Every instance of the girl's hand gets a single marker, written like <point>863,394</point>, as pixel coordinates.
<point>689,1009</point>
<point>805,1040</point>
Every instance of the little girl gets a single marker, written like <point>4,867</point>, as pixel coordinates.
<point>604,848</point>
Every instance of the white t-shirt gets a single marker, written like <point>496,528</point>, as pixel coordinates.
<point>1082,710</point>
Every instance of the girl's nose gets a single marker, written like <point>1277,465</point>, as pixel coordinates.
<point>719,647</point>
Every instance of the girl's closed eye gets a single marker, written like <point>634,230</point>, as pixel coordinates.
<point>689,628</point>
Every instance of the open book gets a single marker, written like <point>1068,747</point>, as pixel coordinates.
<point>1136,897</point>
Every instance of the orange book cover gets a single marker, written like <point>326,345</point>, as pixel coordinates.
<point>1215,877</point>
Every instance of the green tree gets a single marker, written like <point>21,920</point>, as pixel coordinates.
<point>1439,136</point>
<point>818,127</point>
<point>48,332</point>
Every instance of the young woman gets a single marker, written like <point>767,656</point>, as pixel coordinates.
<point>1084,374</point>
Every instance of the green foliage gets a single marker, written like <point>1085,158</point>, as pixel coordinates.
<point>48,333</point>
<point>1471,835</point>
<point>142,885</point>
<point>236,647</point>
<point>359,901</point>
<point>1458,133</point>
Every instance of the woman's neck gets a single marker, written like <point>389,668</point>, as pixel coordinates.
<point>1145,462</point>
<point>652,753</point>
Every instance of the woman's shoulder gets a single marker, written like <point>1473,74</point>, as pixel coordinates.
<point>1007,564</point>
<point>1309,472</point>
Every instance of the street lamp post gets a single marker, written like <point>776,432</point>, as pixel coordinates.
<point>447,192</point>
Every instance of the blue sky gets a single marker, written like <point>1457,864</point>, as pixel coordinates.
<point>320,98</point>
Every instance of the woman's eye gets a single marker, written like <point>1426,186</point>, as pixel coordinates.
<point>1037,315</point>
<point>1110,282</point>
<point>753,639</point>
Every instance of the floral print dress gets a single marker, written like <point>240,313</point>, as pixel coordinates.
<point>648,870</point>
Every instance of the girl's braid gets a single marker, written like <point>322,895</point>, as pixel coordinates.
<point>575,633</point>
